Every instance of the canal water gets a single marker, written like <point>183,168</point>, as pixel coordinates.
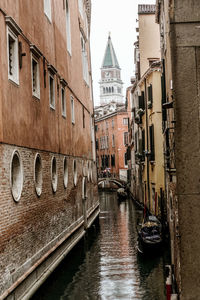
<point>106,264</point>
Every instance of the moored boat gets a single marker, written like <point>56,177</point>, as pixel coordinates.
<point>150,235</point>
<point>122,194</point>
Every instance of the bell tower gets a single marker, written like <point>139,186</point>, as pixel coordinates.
<point>111,85</point>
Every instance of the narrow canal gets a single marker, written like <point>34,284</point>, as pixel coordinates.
<point>106,265</point>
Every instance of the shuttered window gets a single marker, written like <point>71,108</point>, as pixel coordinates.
<point>143,145</point>
<point>113,160</point>
<point>141,101</point>
<point>97,144</point>
<point>152,147</point>
<point>150,96</point>
<point>164,113</point>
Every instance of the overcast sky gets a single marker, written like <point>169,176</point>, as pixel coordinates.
<point>119,18</point>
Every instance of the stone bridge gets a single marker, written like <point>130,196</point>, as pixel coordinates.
<point>108,182</point>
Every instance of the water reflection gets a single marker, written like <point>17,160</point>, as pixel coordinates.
<point>108,266</point>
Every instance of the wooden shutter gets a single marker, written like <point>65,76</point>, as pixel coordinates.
<point>143,145</point>
<point>141,101</point>
<point>151,137</point>
<point>150,96</point>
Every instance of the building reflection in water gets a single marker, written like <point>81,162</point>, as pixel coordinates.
<point>107,266</point>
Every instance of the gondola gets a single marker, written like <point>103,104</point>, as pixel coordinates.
<point>150,235</point>
<point>121,194</point>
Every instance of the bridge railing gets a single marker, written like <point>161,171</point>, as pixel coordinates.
<point>120,178</point>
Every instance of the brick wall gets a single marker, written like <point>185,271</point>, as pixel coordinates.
<point>33,225</point>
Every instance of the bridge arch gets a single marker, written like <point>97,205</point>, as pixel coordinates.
<point>110,180</point>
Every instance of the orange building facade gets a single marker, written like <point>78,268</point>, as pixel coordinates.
<point>111,141</point>
<point>48,182</point>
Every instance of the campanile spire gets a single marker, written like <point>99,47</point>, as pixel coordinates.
<point>111,84</point>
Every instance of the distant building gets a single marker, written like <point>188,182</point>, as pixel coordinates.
<point>111,118</point>
<point>111,127</point>
<point>48,182</point>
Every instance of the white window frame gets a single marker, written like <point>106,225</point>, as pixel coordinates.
<point>51,77</point>
<point>72,110</point>
<point>80,5</point>
<point>84,60</point>
<point>63,102</point>
<point>15,62</point>
<point>125,121</point>
<point>47,9</point>
<point>68,28</point>
<point>35,92</point>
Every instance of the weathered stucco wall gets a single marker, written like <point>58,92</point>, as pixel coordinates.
<point>149,40</point>
<point>185,41</point>
<point>31,121</point>
<point>34,228</point>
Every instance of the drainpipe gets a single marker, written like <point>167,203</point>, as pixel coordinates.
<point>147,135</point>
